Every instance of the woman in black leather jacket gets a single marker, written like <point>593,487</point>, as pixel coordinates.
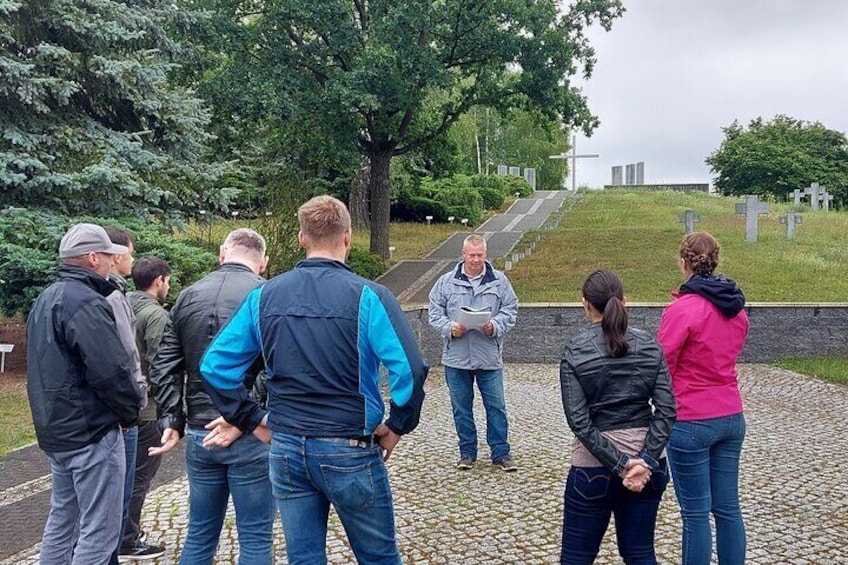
<point>617,396</point>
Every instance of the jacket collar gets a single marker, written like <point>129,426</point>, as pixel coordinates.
<point>322,262</point>
<point>488,274</point>
<point>88,277</point>
<point>233,266</point>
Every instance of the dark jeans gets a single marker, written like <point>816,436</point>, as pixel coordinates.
<point>592,495</point>
<point>145,470</point>
<point>491,385</point>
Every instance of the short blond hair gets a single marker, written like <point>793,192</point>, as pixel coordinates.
<point>323,219</point>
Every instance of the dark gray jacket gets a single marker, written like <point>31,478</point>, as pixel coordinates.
<point>79,374</point>
<point>199,312</point>
<point>602,393</point>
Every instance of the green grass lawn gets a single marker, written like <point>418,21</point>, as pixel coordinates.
<point>833,369</point>
<point>15,419</point>
<point>636,234</point>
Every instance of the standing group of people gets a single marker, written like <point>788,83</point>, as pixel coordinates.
<point>276,387</point>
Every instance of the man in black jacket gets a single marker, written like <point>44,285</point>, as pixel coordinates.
<point>79,383</point>
<point>240,470</point>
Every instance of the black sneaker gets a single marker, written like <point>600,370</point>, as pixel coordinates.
<point>465,464</point>
<point>139,552</point>
<point>507,465</point>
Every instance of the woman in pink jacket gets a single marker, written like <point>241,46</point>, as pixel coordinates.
<point>702,333</point>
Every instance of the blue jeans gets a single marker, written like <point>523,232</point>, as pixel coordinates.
<point>704,459</point>
<point>310,474</point>
<point>461,386</point>
<point>84,503</point>
<point>130,444</point>
<point>214,474</point>
<point>592,495</point>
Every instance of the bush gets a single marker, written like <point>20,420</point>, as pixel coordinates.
<point>462,201</point>
<point>494,182</point>
<point>492,197</point>
<point>29,243</point>
<point>366,264</point>
<point>519,185</point>
<point>417,208</point>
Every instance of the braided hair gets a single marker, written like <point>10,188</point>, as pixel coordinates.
<point>699,251</point>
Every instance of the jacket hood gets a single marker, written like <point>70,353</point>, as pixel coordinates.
<point>722,292</point>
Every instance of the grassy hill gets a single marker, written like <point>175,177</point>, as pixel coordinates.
<point>636,234</point>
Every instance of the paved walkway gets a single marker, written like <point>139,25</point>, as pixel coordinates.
<point>411,280</point>
<point>794,483</point>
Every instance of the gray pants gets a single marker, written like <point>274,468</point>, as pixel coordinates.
<point>84,523</point>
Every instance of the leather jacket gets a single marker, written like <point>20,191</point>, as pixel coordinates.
<point>199,312</point>
<point>602,393</point>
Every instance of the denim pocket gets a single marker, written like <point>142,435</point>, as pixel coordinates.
<point>591,486</point>
<point>278,472</point>
<point>349,488</point>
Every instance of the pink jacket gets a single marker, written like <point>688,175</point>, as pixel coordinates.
<point>701,347</point>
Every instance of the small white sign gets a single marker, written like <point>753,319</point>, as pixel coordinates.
<point>6,347</point>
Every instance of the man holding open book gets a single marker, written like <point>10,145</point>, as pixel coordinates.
<point>472,307</point>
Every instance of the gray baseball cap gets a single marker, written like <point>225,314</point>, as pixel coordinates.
<point>88,238</point>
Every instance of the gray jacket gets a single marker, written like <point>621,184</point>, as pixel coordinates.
<point>474,350</point>
<point>125,320</point>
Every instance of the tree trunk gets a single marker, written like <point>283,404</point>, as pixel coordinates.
<point>360,210</point>
<point>380,187</point>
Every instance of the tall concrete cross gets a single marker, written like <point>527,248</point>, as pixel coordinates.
<point>573,158</point>
<point>814,190</point>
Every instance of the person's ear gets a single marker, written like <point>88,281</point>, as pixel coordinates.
<point>264,264</point>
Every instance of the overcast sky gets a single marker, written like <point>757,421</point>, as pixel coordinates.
<point>671,73</point>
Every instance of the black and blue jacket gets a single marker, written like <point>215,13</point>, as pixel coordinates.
<point>323,332</point>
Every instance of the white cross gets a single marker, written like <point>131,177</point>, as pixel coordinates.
<point>573,158</point>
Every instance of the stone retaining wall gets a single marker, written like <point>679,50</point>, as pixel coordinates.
<point>777,330</point>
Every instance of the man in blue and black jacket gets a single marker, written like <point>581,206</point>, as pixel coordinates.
<point>323,332</point>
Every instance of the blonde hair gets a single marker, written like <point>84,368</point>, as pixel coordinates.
<point>323,219</point>
<point>699,251</point>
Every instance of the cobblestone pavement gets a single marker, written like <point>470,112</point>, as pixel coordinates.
<point>794,490</point>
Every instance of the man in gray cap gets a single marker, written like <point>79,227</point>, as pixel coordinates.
<point>79,383</point>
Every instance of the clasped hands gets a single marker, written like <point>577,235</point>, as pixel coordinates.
<point>636,475</point>
<point>458,330</point>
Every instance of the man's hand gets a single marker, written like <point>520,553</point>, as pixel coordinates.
<point>222,433</point>
<point>457,329</point>
<point>263,433</point>
<point>170,439</point>
<point>388,440</point>
<point>489,328</point>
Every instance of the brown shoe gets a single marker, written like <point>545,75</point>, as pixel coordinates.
<point>465,464</point>
<point>507,465</point>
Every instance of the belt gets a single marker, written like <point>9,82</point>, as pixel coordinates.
<point>355,441</point>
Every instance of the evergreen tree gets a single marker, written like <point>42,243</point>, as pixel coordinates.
<point>89,121</point>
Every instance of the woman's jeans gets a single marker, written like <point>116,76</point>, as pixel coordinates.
<point>704,460</point>
<point>592,495</point>
<point>214,474</point>
<point>310,474</point>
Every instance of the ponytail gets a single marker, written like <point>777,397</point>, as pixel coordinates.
<point>604,291</point>
<point>614,326</point>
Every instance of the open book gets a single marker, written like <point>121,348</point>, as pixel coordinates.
<point>473,318</point>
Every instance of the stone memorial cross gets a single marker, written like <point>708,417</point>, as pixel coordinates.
<point>689,218</point>
<point>825,198</point>
<point>790,219</point>
<point>798,196</point>
<point>752,209</point>
<point>814,190</point>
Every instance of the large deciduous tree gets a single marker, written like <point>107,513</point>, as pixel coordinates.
<point>773,158</point>
<point>365,69</point>
<point>88,121</point>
